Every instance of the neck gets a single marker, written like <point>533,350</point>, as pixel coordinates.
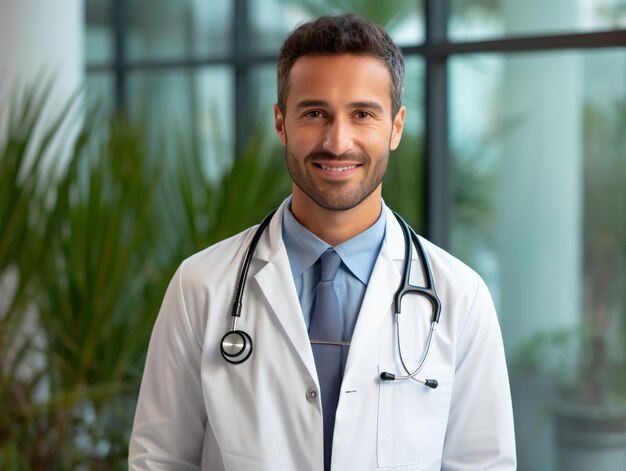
<point>335,227</point>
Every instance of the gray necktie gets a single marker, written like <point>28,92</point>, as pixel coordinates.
<point>327,325</point>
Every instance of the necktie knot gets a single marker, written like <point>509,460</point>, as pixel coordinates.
<point>330,261</point>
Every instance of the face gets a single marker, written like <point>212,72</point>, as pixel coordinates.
<point>338,129</point>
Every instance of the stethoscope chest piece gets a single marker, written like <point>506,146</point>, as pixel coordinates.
<point>236,346</point>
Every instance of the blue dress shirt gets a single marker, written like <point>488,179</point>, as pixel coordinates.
<point>358,256</point>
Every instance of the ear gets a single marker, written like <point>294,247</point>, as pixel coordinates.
<point>398,125</point>
<point>279,125</point>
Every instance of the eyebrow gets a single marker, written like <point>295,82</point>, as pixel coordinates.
<point>324,104</point>
<point>311,103</point>
<point>372,105</point>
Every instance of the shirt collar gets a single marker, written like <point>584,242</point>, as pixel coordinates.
<point>359,254</point>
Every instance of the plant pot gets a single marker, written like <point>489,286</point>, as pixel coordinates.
<point>590,437</point>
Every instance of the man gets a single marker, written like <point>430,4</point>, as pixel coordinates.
<point>318,306</point>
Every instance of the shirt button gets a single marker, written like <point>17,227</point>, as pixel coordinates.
<point>312,394</point>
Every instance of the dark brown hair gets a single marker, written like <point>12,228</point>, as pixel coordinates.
<point>342,34</point>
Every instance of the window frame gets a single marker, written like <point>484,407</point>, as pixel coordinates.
<point>435,52</point>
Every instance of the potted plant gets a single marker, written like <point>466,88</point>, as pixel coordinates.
<point>589,362</point>
<point>85,255</point>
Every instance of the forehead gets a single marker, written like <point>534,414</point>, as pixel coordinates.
<point>340,79</point>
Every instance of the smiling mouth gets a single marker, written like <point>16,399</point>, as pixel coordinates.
<point>336,169</point>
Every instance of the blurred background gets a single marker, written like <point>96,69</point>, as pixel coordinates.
<point>134,133</point>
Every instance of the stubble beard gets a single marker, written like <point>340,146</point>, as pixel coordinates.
<point>337,198</point>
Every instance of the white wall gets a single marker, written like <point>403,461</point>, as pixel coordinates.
<point>41,38</point>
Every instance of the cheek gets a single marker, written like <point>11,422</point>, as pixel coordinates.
<point>304,140</point>
<point>377,139</point>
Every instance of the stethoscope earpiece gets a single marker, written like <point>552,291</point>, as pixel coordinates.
<point>236,346</point>
<point>431,383</point>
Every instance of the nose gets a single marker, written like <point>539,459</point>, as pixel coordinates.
<point>338,138</point>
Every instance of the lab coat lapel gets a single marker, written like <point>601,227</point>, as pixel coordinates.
<point>383,284</point>
<point>276,283</point>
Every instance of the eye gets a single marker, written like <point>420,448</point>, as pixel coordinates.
<point>313,114</point>
<point>363,114</point>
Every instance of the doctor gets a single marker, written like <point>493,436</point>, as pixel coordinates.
<point>318,306</point>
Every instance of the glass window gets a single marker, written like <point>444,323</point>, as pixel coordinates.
<point>403,187</point>
<point>538,148</point>
<point>261,111</point>
<point>272,20</point>
<point>482,19</point>
<point>100,92</point>
<point>197,103</point>
<point>98,32</point>
<point>162,29</point>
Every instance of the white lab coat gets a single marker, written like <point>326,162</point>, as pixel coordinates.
<point>196,411</point>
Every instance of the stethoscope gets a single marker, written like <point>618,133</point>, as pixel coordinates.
<point>236,345</point>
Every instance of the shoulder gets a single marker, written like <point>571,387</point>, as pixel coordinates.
<point>464,295</point>
<point>216,261</point>
<point>451,276</point>
<point>455,277</point>
<point>449,268</point>
<point>207,279</point>
<point>459,287</point>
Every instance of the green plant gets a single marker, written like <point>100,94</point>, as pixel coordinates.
<point>73,339</point>
<point>91,258</point>
<point>389,13</point>
<point>212,211</point>
<point>403,183</point>
<point>26,148</point>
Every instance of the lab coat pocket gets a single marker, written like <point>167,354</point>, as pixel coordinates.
<point>412,418</point>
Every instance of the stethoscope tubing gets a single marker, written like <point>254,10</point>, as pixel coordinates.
<point>428,291</point>
<point>237,302</point>
<point>236,345</point>
<point>431,333</point>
